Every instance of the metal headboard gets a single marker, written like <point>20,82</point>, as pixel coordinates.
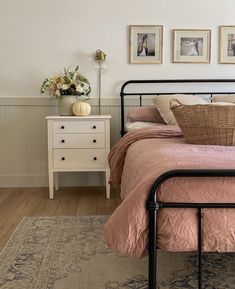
<point>127,84</point>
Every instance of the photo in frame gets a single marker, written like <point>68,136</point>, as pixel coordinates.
<point>191,46</point>
<point>146,44</point>
<point>227,44</point>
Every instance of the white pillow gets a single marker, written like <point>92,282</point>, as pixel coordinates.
<point>162,103</point>
<point>223,103</point>
<point>140,124</point>
<point>223,98</point>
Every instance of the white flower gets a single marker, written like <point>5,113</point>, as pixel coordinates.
<point>64,87</point>
<point>79,89</point>
<point>85,86</point>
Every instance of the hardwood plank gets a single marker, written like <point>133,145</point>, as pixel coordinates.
<point>48,207</point>
<point>25,208</point>
<point>11,202</point>
<point>69,202</point>
<point>106,206</point>
<point>4,192</point>
<point>87,204</point>
<point>15,203</point>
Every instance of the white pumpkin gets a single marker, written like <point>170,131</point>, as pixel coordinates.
<point>81,108</point>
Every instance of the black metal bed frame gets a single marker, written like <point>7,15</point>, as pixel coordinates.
<point>153,204</point>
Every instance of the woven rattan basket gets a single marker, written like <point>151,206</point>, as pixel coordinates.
<point>206,123</point>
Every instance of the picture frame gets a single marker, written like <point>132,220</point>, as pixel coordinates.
<point>146,44</point>
<point>191,46</point>
<point>227,44</point>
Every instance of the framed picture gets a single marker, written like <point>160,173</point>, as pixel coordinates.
<point>191,46</point>
<point>146,44</point>
<point>227,44</point>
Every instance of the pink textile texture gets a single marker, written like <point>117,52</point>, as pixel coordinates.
<point>137,160</point>
<point>145,113</point>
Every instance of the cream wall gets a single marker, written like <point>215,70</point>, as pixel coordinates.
<point>39,38</point>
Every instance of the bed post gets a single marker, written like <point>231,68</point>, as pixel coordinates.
<point>200,216</point>
<point>154,206</point>
<point>152,246</point>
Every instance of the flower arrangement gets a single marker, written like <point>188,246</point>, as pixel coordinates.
<point>67,83</point>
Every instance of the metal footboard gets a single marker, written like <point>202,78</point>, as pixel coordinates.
<point>154,206</point>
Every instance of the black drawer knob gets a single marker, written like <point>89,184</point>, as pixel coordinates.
<point>63,158</point>
<point>95,158</point>
<point>62,127</point>
<point>62,140</point>
<point>94,140</point>
<point>94,127</point>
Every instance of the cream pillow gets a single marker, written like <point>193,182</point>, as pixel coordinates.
<point>224,98</point>
<point>162,103</point>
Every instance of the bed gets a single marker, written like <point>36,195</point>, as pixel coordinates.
<point>156,177</point>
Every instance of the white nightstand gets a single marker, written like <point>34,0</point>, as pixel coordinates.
<point>78,144</point>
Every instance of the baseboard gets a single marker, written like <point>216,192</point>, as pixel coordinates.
<point>41,180</point>
<point>12,181</point>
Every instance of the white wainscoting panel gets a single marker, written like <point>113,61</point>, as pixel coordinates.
<point>23,146</point>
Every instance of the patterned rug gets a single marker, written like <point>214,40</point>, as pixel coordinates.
<point>70,253</point>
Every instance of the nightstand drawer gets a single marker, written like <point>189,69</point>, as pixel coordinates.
<point>78,158</point>
<point>79,141</point>
<point>82,126</point>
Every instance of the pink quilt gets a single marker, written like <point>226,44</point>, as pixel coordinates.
<point>137,160</point>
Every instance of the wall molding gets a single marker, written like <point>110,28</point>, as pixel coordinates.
<point>23,146</point>
<point>41,180</point>
<point>24,180</point>
<point>43,101</point>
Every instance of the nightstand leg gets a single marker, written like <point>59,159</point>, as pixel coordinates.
<point>51,185</point>
<point>56,175</point>
<point>107,175</point>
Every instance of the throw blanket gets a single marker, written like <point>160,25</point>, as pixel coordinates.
<point>137,161</point>
<point>118,152</point>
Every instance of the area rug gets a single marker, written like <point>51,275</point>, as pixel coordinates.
<point>70,253</point>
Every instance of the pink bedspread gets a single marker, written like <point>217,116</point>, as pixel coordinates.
<point>137,160</point>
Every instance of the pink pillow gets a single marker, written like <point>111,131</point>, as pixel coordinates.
<point>145,113</point>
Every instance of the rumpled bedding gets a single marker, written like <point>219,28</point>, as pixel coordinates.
<point>137,160</point>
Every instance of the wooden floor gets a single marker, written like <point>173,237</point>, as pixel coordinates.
<point>16,203</point>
